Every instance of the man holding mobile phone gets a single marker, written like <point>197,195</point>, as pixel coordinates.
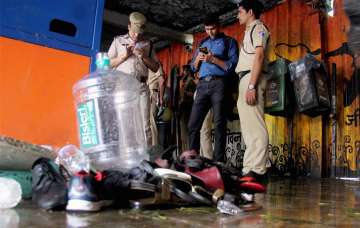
<point>133,54</point>
<point>215,60</point>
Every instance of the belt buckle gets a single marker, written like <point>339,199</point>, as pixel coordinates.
<point>207,78</point>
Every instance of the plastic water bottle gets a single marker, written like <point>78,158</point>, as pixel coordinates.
<point>110,126</point>
<point>10,193</point>
<point>73,159</point>
<point>228,208</point>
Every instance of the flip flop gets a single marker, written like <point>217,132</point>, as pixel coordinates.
<point>183,187</point>
<point>172,173</point>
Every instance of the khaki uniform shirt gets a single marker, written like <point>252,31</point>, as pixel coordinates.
<point>260,37</point>
<point>133,65</point>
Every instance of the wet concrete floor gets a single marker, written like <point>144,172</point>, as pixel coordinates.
<point>288,203</point>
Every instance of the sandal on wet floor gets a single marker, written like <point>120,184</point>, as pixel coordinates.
<point>182,186</point>
<point>172,173</point>
<point>149,194</point>
<point>202,195</point>
<point>172,187</point>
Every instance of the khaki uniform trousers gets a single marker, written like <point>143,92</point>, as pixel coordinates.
<point>253,127</point>
<point>153,126</point>
<point>145,113</point>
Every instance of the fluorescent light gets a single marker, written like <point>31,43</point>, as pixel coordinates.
<point>330,8</point>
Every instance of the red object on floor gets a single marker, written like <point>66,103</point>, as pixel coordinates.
<point>253,187</point>
<point>247,179</point>
<point>210,176</point>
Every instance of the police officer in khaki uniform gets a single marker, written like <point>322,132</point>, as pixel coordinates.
<point>251,69</point>
<point>134,55</point>
<point>156,85</point>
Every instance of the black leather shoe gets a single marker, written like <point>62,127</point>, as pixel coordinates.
<point>49,189</point>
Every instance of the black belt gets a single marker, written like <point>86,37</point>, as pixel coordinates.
<point>243,73</point>
<point>210,78</point>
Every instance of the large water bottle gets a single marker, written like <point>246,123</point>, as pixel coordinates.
<point>109,119</point>
<point>132,140</point>
<point>73,159</point>
<point>10,193</point>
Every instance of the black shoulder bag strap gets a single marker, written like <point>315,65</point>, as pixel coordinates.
<point>315,52</point>
<point>252,39</point>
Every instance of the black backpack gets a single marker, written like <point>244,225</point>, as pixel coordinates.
<point>309,77</point>
<point>303,82</point>
<point>279,92</point>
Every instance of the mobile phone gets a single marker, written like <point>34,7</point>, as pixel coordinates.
<point>140,45</point>
<point>203,50</point>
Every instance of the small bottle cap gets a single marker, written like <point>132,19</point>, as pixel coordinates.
<point>102,60</point>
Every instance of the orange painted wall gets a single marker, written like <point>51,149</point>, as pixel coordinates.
<point>348,136</point>
<point>36,103</point>
<point>176,54</point>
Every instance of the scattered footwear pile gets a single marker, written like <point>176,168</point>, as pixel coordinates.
<point>192,181</point>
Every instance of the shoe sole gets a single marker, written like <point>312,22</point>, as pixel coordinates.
<point>83,205</point>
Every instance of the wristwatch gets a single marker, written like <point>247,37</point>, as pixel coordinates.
<point>251,86</point>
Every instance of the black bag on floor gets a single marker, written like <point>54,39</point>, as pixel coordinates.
<point>309,78</point>
<point>49,188</point>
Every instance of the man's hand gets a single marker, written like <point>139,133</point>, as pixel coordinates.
<point>250,96</point>
<point>139,52</point>
<point>114,62</point>
<point>209,57</point>
<point>129,51</point>
<point>200,57</point>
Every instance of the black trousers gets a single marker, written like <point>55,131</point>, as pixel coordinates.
<point>209,94</point>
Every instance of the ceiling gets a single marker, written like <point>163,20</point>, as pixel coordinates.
<point>182,16</point>
<point>179,15</point>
